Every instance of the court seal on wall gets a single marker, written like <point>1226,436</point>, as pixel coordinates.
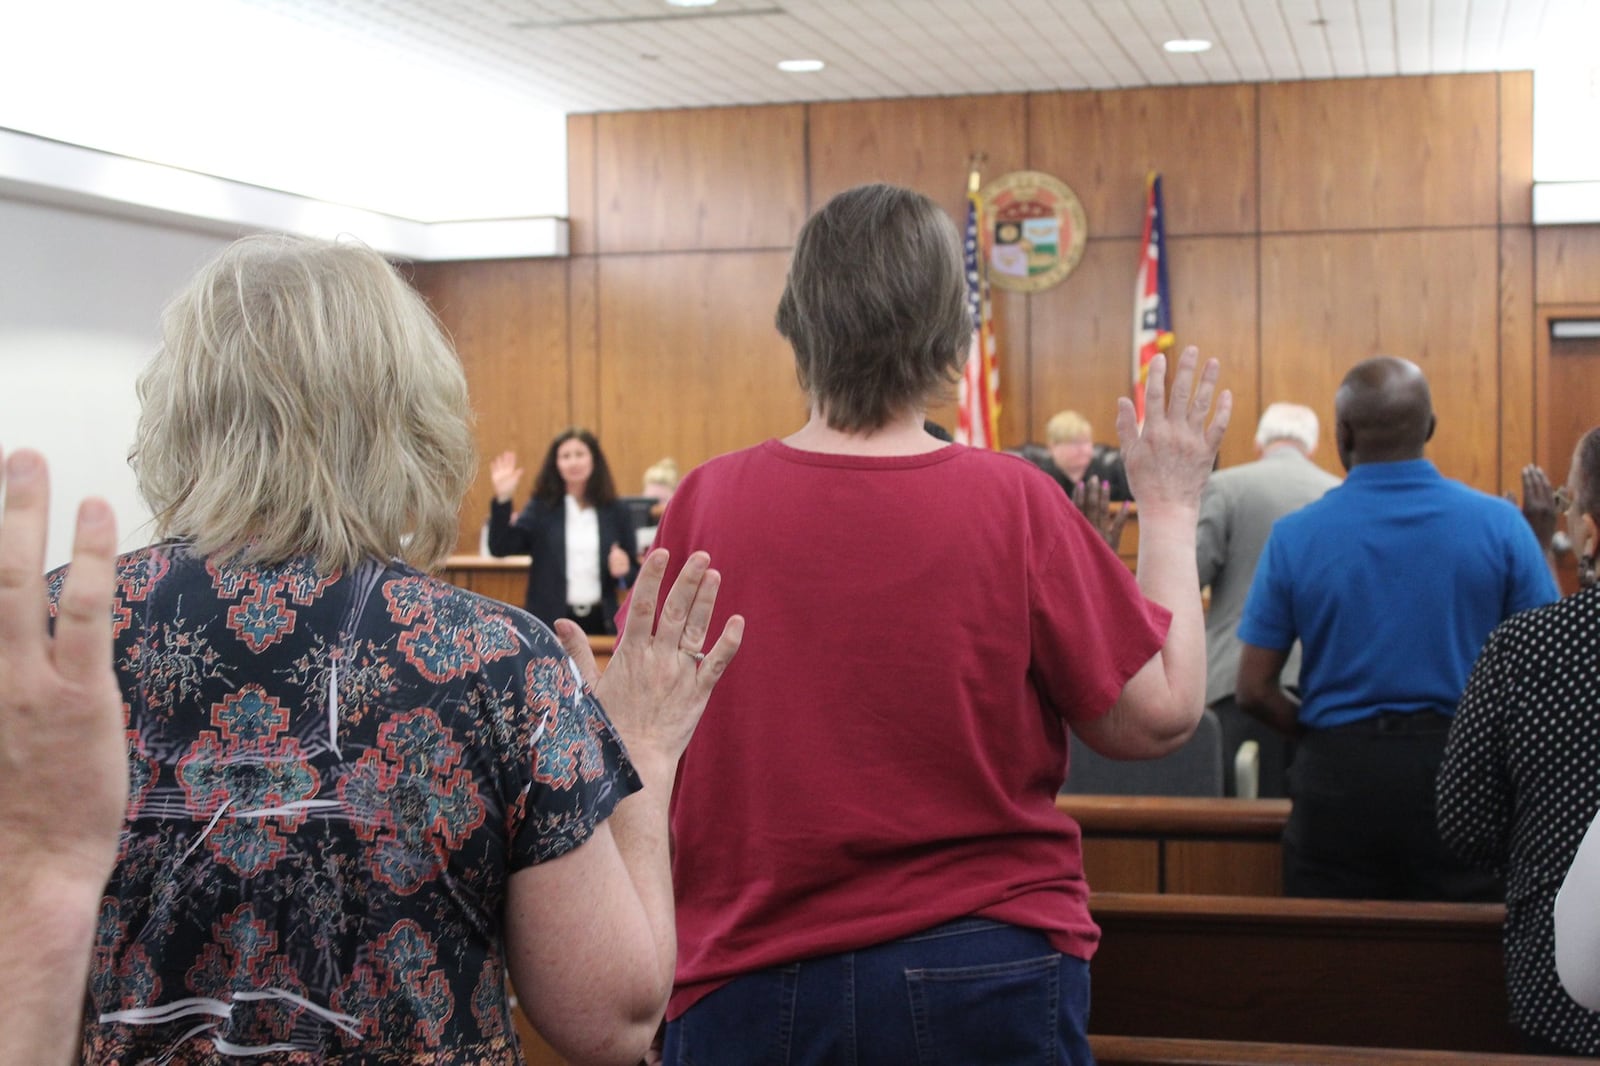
<point>1037,230</point>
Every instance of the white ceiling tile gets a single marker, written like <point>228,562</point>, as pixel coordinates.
<point>1449,33</point>
<point>587,55</point>
<point>1376,21</point>
<point>1413,36</point>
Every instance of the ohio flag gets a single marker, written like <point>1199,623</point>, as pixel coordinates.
<point>1152,305</point>
<point>980,379</point>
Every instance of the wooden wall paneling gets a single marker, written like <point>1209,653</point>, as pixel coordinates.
<point>508,320</point>
<point>690,363</point>
<point>1564,372</point>
<point>1214,284</point>
<point>921,143</point>
<point>583,343</point>
<point>1518,416</point>
<point>1082,339</point>
<point>1013,312</point>
<point>1202,139</point>
<point>715,178</point>
<point>1516,147</point>
<point>1082,329</point>
<point>1380,153</point>
<point>581,212</point>
<point>1567,264</point>
<point>1329,301</point>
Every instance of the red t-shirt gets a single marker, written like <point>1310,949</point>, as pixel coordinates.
<point>885,751</point>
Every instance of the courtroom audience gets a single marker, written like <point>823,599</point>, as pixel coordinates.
<point>1520,783</point>
<point>359,799</point>
<point>1073,456</point>
<point>893,882</point>
<point>1391,582</point>
<point>1237,511</point>
<point>581,539</point>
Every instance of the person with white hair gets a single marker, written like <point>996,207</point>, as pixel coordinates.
<point>1236,514</point>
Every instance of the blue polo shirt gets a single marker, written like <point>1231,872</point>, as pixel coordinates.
<point>1392,582</point>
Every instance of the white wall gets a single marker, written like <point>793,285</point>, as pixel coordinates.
<point>80,303</point>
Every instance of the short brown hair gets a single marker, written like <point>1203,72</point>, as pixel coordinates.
<point>875,306</point>
<point>304,402</point>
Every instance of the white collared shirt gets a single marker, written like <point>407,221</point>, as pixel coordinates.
<point>583,553</point>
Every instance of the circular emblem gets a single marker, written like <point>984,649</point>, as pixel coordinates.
<point>1037,230</point>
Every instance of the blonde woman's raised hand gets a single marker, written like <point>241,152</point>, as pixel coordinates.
<point>659,679</point>
<point>504,473</point>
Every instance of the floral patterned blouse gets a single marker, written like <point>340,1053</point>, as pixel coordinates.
<point>332,779</point>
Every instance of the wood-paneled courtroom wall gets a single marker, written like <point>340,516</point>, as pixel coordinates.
<point>1310,225</point>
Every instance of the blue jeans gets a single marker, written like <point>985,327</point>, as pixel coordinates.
<point>971,991</point>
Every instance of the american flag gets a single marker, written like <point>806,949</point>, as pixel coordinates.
<point>980,379</point>
<point>1152,305</point>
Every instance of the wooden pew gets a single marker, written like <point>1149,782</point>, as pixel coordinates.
<point>1181,844</point>
<point>1161,1051</point>
<point>1217,980</point>
<point>1368,973</point>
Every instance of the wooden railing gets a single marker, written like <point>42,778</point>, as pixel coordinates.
<point>504,579</point>
<point>1302,971</point>
<point>1181,844</point>
<point>1162,1051</point>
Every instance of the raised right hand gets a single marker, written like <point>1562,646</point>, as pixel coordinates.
<point>1539,504</point>
<point>1170,457</point>
<point>505,473</point>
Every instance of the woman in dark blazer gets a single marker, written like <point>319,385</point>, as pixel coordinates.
<point>574,503</point>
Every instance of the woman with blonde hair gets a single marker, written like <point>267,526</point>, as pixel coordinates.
<point>360,798</point>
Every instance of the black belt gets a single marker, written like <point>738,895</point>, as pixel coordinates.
<point>1396,723</point>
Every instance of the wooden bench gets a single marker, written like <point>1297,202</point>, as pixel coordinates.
<point>1181,844</point>
<point>1260,979</point>
<point>1300,971</point>
<point>1162,1051</point>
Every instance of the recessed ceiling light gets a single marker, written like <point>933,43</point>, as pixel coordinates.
<point>800,66</point>
<point>1188,44</point>
<point>691,3</point>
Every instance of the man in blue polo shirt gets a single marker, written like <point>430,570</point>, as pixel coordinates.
<point>1391,582</point>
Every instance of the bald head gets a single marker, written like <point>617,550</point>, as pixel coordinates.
<point>1384,412</point>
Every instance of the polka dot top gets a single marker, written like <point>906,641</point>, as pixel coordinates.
<point>1521,783</point>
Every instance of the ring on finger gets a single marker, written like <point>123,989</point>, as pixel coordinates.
<point>697,656</point>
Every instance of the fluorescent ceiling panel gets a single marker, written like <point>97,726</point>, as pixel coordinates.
<point>222,87</point>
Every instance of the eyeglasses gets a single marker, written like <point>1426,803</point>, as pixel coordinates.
<point>1564,500</point>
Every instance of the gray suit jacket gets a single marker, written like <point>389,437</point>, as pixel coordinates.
<point>1237,511</point>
